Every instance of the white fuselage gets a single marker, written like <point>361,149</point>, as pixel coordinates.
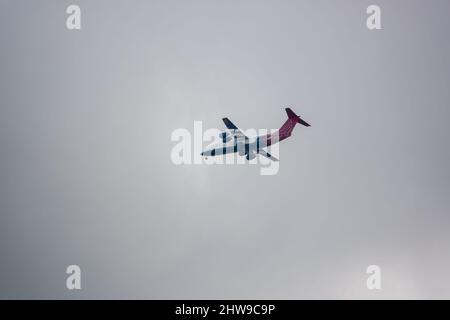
<point>241,145</point>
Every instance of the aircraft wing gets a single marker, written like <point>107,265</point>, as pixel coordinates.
<point>267,155</point>
<point>235,131</point>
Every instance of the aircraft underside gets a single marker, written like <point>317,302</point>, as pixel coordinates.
<point>250,149</point>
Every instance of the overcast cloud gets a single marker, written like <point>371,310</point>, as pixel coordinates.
<point>86,176</point>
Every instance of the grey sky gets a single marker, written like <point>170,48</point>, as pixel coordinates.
<point>85,170</point>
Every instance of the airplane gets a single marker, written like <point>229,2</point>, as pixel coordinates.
<point>250,147</point>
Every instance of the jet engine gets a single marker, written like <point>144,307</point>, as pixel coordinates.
<point>225,137</point>
<point>241,148</point>
<point>250,155</point>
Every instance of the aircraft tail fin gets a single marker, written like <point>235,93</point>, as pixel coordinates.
<point>291,115</point>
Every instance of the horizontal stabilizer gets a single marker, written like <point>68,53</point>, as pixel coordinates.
<point>291,115</point>
<point>303,122</point>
